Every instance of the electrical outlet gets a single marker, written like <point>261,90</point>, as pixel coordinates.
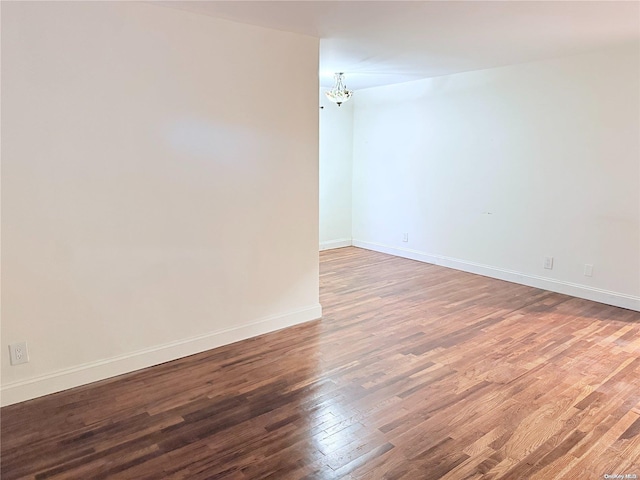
<point>19,353</point>
<point>588,270</point>
<point>405,237</point>
<point>548,263</point>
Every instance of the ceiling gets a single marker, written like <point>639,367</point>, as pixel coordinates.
<point>383,42</point>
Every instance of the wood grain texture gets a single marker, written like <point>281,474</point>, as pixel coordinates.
<point>415,372</point>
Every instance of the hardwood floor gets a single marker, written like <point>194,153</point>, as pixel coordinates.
<point>415,372</point>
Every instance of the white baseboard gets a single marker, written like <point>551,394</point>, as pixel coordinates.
<point>339,243</point>
<point>91,372</point>
<point>575,290</point>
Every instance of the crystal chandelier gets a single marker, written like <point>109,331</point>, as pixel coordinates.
<point>339,93</point>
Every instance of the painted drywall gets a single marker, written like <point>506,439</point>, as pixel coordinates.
<point>492,171</point>
<point>336,164</point>
<point>159,197</point>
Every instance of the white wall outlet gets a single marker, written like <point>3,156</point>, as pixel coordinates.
<point>588,270</point>
<point>548,263</point>
<point>405,237</point>
<point>19,353</point>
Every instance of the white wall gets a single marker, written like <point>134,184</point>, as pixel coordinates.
<point>336,149</point>
<point>491,171</point>
<point>158,196</point>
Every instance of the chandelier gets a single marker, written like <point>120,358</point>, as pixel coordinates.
<point>339,93</point>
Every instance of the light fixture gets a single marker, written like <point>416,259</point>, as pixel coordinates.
<point>339,93</point>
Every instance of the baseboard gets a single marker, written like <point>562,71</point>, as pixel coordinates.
<point>339,243</point>
<point>575,290</point>
<point>91,372</point>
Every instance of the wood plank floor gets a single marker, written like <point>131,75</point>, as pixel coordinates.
<point>415,372</point>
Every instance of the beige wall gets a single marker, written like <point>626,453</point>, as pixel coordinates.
<point>336,149</point>
<point>159,189</point>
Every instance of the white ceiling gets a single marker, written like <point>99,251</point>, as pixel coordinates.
<point>384,42</point>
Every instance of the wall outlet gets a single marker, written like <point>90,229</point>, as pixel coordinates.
<point>405,237</point>
<point>548,263</point>
<point>588,270</point>
<point>18,353</point>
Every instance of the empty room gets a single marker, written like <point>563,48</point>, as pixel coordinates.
<point>320,240</point>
